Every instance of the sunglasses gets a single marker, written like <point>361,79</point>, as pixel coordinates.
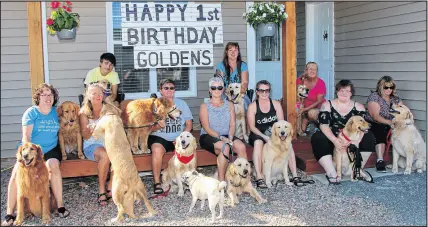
<point>386,88</point>
<point>169,88</point>
<point>263,90</point>
<point>216,88</point>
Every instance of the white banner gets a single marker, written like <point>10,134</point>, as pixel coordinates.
<point>171,34</point>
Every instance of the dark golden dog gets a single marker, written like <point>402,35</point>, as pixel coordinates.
<point>233,93</point>
<point>69,136</point>
<point>140,116</point>
<point>302,93</point>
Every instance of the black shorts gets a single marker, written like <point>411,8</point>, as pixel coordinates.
<point>168,145</point>
<point>54,153</point>
<point>253,137</point>
<point>380,132</point>
<point>207,142</point>
<point>322,146</point>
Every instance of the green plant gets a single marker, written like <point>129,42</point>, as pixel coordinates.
<point>62,17</point>
<point>265,12</point>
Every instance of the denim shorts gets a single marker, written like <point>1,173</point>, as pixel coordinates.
<point>90,150</point>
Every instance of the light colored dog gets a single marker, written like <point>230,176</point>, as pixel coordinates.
<point>233,93</point>
<point>183,160</point>
<point>276,153</point>
<point>69,136</point>
<point>203,187</point>
<point>408,147</point>
<point>127,185</point>
<point>238,181</point>
<point>32,180</point>
<point>354,128</point>
<point>302,93</point>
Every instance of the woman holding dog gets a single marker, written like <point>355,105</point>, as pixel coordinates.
<point>261,115</point>
<point>333,117</point>
<point>315,98</point>
<point>217,118</point>
<point>94,149</point>
<point>40,126</point>
<point>378,105</point>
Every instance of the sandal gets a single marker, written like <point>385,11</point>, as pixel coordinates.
<point>103,202</point>
<point>159,192</point>
<point>108,192</point>
<point>8,218</point>
<point>332,182</point>
<point>299,182</point>
<point>63,213</point>
<point>261,183</point>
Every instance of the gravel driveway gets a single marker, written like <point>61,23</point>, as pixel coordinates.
<point>392,200</point>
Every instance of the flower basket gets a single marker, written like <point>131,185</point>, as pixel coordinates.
<point>62,22</point>
<point>265,13</point>
<point>267,29</point>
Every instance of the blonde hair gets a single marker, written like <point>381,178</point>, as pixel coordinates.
<point>382,82</point>
<point>87,107</point>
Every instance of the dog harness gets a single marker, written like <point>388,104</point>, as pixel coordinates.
<point>184,159</point>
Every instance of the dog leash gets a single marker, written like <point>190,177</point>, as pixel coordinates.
<point>358,160</point>
<point>388,143</point>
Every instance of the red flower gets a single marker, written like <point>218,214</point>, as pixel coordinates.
<point>49,22</point>
<point>55,4</point>
<point>68,3</point>
<point>68,9</point>
<point>64,7</point>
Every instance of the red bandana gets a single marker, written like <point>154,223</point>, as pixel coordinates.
<point>184,159</point>
<point>344,136</point>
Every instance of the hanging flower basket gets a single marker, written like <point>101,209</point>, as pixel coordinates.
<point>268,29</point>
<point>265,13</point>
<point>62,22</point>
<point>66,34</point>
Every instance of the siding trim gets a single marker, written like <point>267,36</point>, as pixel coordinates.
<point>35,43</point>
<point>45,44</point>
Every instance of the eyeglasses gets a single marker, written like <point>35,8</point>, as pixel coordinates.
<point>216,88</point>
<point>263,90</point>
<point>45,95</point>
<point>386,87</point>
<point>169,88</point>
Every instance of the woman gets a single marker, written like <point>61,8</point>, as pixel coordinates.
<point>332,118</point>
<point>317,91</point>
<point>217,118</point>
<point>93,149</point>
<point>261,115</point>
<point>378,104</point>
<point>35,122</point>
<point>233,70</point>
<point>162,140</point>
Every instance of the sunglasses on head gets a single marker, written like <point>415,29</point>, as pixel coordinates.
<point>169,88</point>
<point>216,88</point>
<point>263,90</point>
<point>386,87</point>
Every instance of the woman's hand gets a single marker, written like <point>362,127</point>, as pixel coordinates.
<point>340,144</point>
<point>266,138</point>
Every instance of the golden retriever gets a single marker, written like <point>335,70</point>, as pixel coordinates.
<point>127,185</point>
<point>69,136</point>
<point>140,116</point>
<point>233,93</point>
<point>354,128</point>
<point>32,180</point>
<point>183,160</point>
<point>302,93</point>
<point>107,89</point>
<point>276,153</point>
<point>238,181</point>
<point>203,187</point>
<point>408,146</point>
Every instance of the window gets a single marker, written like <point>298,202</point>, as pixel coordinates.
<point>140,83</point>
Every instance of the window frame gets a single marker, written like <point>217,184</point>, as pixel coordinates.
<point>153,88</point>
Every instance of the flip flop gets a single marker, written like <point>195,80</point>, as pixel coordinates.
<point>159,192</point>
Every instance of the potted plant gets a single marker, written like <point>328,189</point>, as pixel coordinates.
<point>265,17</point>
<point>62,22</point>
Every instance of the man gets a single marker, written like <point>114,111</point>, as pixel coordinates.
<point>161,141</point>
<point>105,72</point>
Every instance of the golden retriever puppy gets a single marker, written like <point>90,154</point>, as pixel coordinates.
<point>302,93</point>
<point>233,93</point>
<point>408,147</point>
<point>203,187</point>
<point>276,153</point>
<point>354,128</point>
<point>69,136</point>
<point>32,180</point>
<point>127,185</point>
<point>183,160</point>
<point>238,181</point>
<point>140,116</point>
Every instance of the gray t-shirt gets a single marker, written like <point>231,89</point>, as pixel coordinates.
<point>173,128</point>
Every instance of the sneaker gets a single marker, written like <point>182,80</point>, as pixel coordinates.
<point>380,166</point>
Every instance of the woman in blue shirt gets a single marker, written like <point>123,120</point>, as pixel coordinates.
<point>40,126</point>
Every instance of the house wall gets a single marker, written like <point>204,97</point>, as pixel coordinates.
<point>15,74</point>
<point>373,39</point>
<point>300,37</point>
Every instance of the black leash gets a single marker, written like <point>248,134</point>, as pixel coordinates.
<point>358,160</point>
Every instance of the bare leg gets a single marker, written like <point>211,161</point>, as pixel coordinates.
<point>222,162</point>
<point>258,158</point>
<point>55,179</point>
<point>103,161</point>
<point>327,164</point>
<point>12,192</point>
<point>240,149</point>
<point>157,155</point>
<point>380,150</point>
<point>292,163</point>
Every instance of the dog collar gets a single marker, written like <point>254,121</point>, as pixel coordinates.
<point>235,185</point>
<point>298,105</point>
<point>344,136</point>
<point>184,159</point>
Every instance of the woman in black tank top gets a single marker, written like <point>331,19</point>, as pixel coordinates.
<point>260,121</point>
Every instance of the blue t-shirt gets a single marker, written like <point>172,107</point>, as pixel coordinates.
<point>45,127</point>
<point>234,78</point>
<point>173,128</point>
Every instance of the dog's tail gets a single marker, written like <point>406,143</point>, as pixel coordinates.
<point>222,185</point>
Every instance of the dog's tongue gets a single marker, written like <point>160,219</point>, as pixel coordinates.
<point>282,137</point>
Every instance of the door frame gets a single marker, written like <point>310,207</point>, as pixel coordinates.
<point>310,33</point>
<point>251,51</point>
